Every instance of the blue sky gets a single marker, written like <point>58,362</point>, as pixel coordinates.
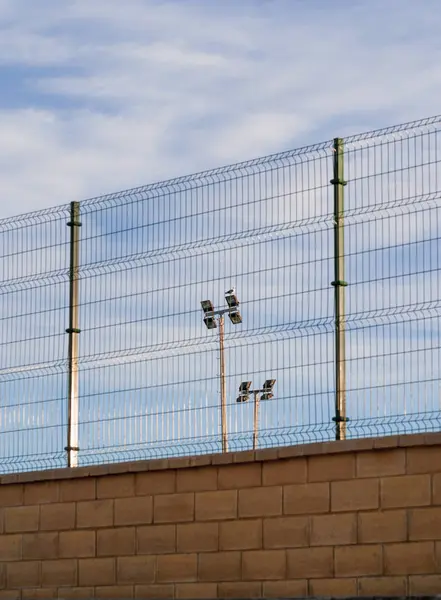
<point>104,95</point>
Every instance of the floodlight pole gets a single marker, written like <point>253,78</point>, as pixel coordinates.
<point>339,284</point>
<point>256,418</point>
<point>223,385</point>
<point>73,331</point>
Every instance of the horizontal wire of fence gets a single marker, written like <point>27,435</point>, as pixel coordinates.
<point>332,251</point>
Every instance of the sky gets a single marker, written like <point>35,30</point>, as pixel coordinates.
<point>106,95</point>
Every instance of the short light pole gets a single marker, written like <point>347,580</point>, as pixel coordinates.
<point>244,395</point>
<point>211,318</point>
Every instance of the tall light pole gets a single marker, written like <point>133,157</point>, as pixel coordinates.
<point>244,395</point>
<point>211,318</point>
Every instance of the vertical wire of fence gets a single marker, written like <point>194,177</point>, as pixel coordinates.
<point>148,367</point>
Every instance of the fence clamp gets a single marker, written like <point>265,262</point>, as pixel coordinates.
<point>339,283</point>
<point>72,448</point>
<point>73,330</point>
<point>340,419</point>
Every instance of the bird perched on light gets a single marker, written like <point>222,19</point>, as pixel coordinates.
<point>231,292</point>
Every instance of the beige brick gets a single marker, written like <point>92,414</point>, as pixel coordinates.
<point>10,595</point>
<point>409,490</point>
<point>309,498</point>
<point>196,479</point>
<point>333,530</point>
<point>409,558</point>
<point>296,588</point>
<point>116,486</point>
<point>425,524</point>
<point>10,547</point>
<point>21,519</point>
<point>11,495</point>
<point>331,467</point>
<point>259,502</point>
<point>381,463</point>
<point>351,561</point>
<point>425,459</point>
<point>73,490</point>
<point>155,482</point>
<point>216,506</point>
<point>114,591</point>
<point>305,563</point>
<point>382,586</point>
<point>233,477</point>
<point>197,537</point>
<point>286,532</point>
<point>333,588</point>
<point>382,527</point>
<point>43,492</point>
<point>134,511</point>
<point>438,555</point>
<point>239,589</point>
<point>263,564</point>
<point>136,569</point>
<point>59,573</point>
<point>96,571</point>
<point>57,517</point>
<point>76,593</point>
<point>240,534</point>
<point>116,541</point>
<point>359,494</point>
<point>77,544</point>
<point>196,590</point>
<point>39,593</point>
<point>156,539</point>
<point>424,585</point>
<point>174,508</point>
<point>221,566</point>
<point>94,514</point>
<point>40,545</point>
<point>23,574</point>
<point>436,489</point>
<point>177,567</point>
<point>282,472</point>
<point>157,591</point>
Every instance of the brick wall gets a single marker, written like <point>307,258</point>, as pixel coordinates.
<point>343,519</point>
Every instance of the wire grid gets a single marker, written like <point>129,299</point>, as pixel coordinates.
<point>149,369</point>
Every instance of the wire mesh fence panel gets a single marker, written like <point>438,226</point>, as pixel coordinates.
<point>149,368</point>
<point>33,318</point>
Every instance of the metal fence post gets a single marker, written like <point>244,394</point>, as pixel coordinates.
<point>73,331</point>
<point>339,284</point>
<point>223,387</point>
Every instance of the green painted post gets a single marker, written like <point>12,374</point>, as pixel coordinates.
<point>339,285</point>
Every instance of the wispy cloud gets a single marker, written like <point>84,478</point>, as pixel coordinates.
<point>105,95</point>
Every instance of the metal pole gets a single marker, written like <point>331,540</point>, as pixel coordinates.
<point>256,419</point>
<point>223,386</point>
<point>73,331</point>
<point>339,284</point>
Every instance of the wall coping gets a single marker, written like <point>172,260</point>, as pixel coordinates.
<point>247,456</point>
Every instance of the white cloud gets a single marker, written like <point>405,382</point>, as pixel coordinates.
<point>112,95</point>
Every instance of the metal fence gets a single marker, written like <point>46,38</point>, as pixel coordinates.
<point>333,250</point>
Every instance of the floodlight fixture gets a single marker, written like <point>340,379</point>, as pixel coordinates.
<point>267,389</point>
<point>207,306</point>
<point>210,322</point>
<point>231,298</point>
<point>244,389</point>
<point>235,317</point>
